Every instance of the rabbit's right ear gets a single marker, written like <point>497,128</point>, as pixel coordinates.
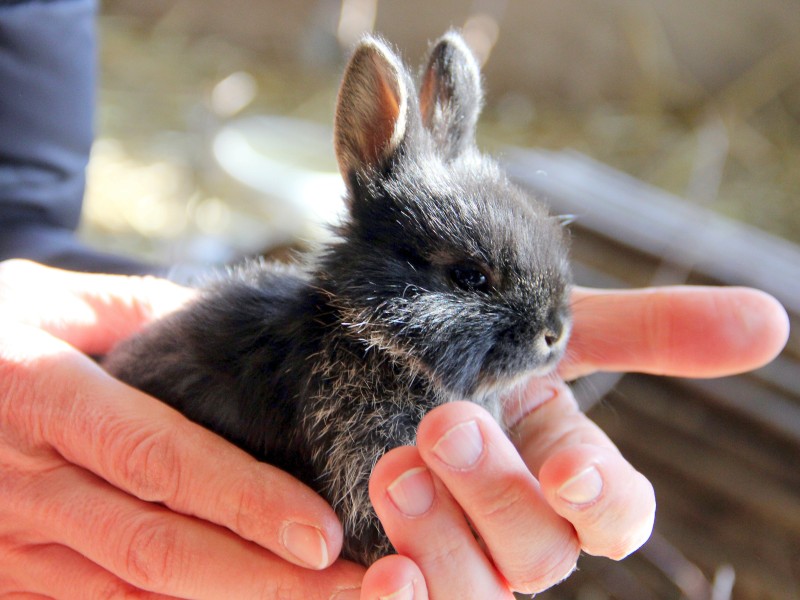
<point>451,96</point>
<point>372,109</point>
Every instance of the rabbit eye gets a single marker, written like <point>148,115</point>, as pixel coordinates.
<point>469,278</point>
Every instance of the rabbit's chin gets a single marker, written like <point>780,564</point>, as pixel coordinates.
<point>500,386</point>
<point>496,393</point>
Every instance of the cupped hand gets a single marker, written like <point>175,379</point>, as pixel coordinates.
<point>558,485</point>
<point>108,492</point>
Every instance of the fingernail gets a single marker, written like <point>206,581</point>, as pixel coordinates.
<point>348,594</point>
<point>306,543</point>
<point>404,593</point>
<point>412,493</point>
<point>583,488</point>
<point>461,446</point>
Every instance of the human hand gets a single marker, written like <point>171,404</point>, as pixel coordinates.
<point>561,486</point>
<point>107,492</point>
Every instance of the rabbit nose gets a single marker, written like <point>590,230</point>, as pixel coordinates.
<point>551,337</point>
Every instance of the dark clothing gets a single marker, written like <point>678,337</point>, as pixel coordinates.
<point>47,89</point>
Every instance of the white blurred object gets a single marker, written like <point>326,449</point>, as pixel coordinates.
<point>233,93</point>
<point>290,164</point>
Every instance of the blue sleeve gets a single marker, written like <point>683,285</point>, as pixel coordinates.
<point>47,99</point>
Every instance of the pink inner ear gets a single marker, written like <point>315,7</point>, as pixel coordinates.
<point>427,98</point>
<point>380,130</point>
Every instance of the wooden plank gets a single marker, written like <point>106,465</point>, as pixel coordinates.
<point>702,462</point>
<point>744,395</point>
<point>683,408</point>
<point>712,524</point>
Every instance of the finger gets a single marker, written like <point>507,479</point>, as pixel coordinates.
<point>89,311</point>
<point>149,450</point>
<point>151,548</point>
<point>610,504</point>
<point>583,476</point>
<point>55,571</point>
<point>394,577</point>
<point>425,524</point>
<point>530,544</point>
<point>682,331</point>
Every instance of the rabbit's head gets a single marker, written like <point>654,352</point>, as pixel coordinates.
<point>443,262</point>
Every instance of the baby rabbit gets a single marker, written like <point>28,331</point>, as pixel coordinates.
<point>446,282</point>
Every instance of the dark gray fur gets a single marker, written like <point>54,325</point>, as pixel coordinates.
<point>321,369</point>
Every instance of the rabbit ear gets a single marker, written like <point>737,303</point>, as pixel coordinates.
<point>451,96</point>
<point>372,108</point>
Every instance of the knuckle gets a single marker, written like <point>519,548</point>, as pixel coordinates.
<point>22,387</point>
<point>436,557</point>
<point>657,329</point>
<point>116,589</point>
<point>549,570</point>
<point>15,382</point>
<point>448,551</point>
<point>16,368</point>
<point>250,510</point>
<point>533,566</point>
<point>502,501</point>
<point>148,463</point>
<point>285,590</point>
<point>524,568</point>
<point>152,553</point>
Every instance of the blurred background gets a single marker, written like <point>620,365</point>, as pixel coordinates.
<point>670,130</point>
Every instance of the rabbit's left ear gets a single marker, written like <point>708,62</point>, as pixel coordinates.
<point>451,96</point>
<point>372,109</point>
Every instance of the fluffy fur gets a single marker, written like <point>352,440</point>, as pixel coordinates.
<point>447,282</point>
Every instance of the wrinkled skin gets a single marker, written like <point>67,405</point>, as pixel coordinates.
<point>81,519</point>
